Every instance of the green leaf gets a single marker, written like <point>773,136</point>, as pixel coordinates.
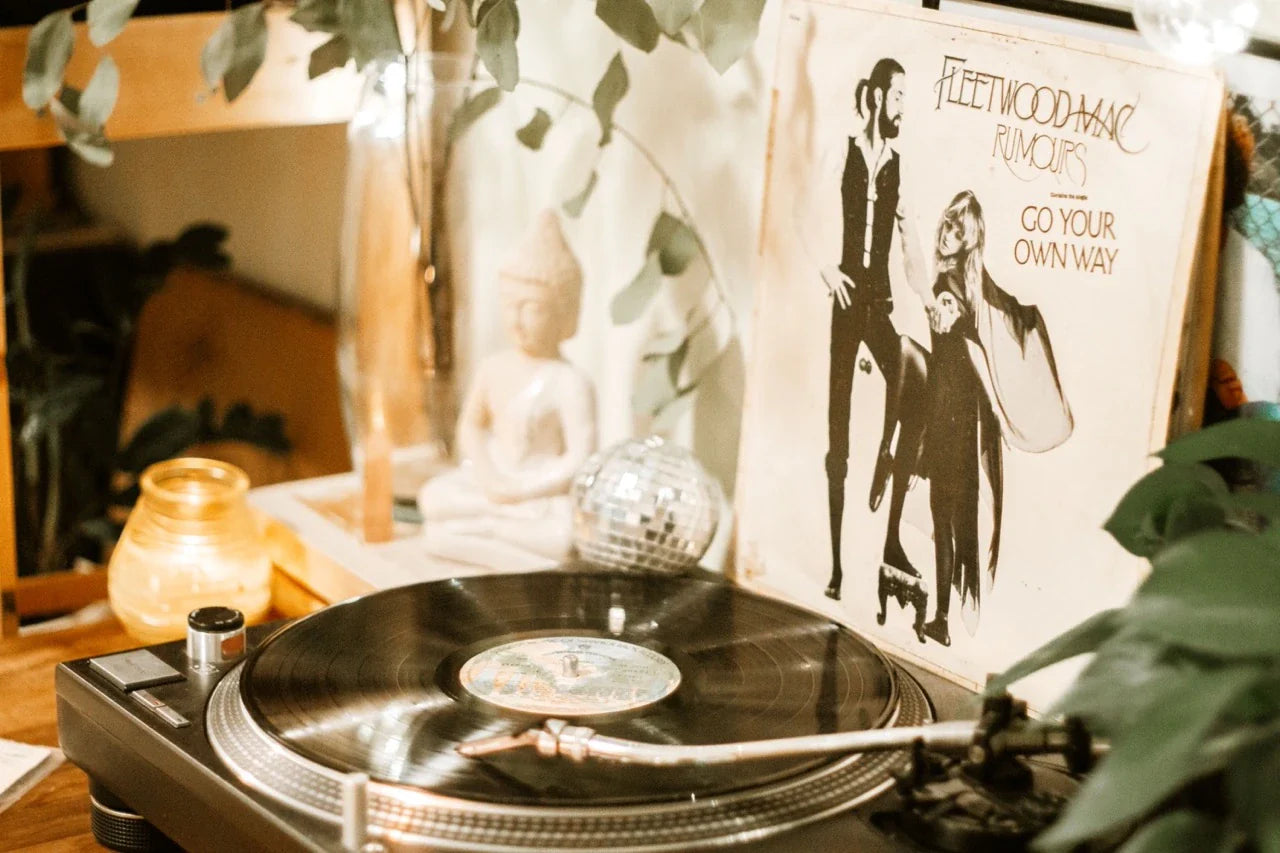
<point>162,436</point>
<point>1245,438</point>
<point>1253,785</point>
<point>675,243</point>
<point>470,111</point>
<point>317,16</point>
<point>675,361</point>
<point>332,54</point>
<point>1152,758</point>
<point>48,51</point>
<point>82,138</point>
<point>1085,637</point>
<point>498,25</point>
<point>573,206</point>
<point>99,97</point>
<point>65,399</point>
<point>726,30</point>
<point>235,51</point>
<point>532,134</point>
<point>1236,632</point>
<point>1177,832</point>
<point>107,18</point>
<point>633,20</point>
<point>1126,666</point>
<point>672,15</point>
<point>370,28</point>
<point>629,303</point>
<point>654,389</point>
<point>608,93</point>
<point>1217,569</point>
<point>1138,522</point>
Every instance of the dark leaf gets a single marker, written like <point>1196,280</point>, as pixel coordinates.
<point>629,303</point>
<point>202,245</point>
<point>99,97</point>
<point>1138,522</point>
<point>726,29</point>
<point>471,110</point>
<point>672,15</point>
<point>1217,569</point>
<point>573,206</point>
<point>235,51</point>
<point>675,243</point>
<point>1151,759</point>
<point>317,16</point>
<point>1177,832</point>
<point>103,530</point>
<point>675,362</point>
<point>370,28</point>
<point>1245,438</point>
<point>654,389</point>
<point>1126,665</point>
<point>532,134</point>
<point>332,54</point>
<point>66,397</point>
<point>1085,637</point>
<point>498,25</point>
<point>633,20</point>
<point>162,436</point>
<point>608,93</point>
<point>1253,785</point>
<point>107,18</point>
<point>48,51</point>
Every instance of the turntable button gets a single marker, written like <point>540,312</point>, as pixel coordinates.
<point>149,700</point>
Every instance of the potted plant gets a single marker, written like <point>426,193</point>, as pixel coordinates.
<point>1185,679</point>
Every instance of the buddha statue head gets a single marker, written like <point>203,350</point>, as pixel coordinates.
<point>540,287</point>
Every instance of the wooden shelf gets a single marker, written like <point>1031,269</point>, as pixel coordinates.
<point>162,92</point>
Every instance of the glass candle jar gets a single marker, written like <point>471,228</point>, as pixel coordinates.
<point>191,541</point>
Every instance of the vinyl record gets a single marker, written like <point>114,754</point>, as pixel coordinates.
<point>390,683</point>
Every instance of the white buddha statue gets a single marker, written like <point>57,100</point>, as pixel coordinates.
<point>527,424</point>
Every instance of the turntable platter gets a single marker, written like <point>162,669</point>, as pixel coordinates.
<point>391,683</point>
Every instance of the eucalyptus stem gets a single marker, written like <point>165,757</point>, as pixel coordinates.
<point>52,502</point>
<point>716,283</point>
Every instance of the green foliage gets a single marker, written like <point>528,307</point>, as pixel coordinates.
<point>726,29</point>
<point>235,51</point>
<point>608,94</point>
<point>632,20</point>
<point>48,52</point>
<point>533,133</point>
<point>672,15</point>
<point>107,18</point>
<point>573,206</point>
<point>629,303</point>
<point>331,55</point>
<point>497,26</point>
<point>470,111</point>
<point>675,243</point>
<point>1185,679</point>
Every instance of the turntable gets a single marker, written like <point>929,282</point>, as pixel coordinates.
<point>564,710</point>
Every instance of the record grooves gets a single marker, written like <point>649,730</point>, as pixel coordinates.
<point>391,683</point>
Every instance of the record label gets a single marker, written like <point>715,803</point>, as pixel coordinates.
<point>570,676</point>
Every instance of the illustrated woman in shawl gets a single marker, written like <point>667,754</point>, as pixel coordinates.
<point>991,380</point>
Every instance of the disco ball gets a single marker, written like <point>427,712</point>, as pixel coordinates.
<point>1196,32</point>
<point>644,504</point>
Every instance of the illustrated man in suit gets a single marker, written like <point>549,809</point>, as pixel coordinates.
<point>874,216</point>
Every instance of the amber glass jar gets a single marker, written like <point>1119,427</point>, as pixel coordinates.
<point>191,541</point>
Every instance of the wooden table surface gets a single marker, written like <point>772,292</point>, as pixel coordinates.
<point>54,815</point>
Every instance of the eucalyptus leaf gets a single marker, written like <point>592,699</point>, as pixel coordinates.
<point>48,51</point>
<point>1153,758</point>
<point>1244,438</point>
<point>672,15</point>
<point>1177,832</point>
<point>99,97</point>
<point>632,20</point>
<point>82,138</point>
<point>497,27</point>
<point>1217,569</point>
<point>370,28</point>
<point>1085,637</point>
<point>332,54</point>
<point>654,389</point>
<point>675,243</point>
<point>608,93</point>
<point>1253,786</point>
<point>236,50</point>
<point>1138,522</point>
<point>106,18</point>
<point>470,111</point>
<point>533,133</point>
<point>92,148</point>
<point>317,16</point>
<point>162,436</point>
<point>675,362</point>
<point>629,303</point>
<point>726,30</point>
<point>573,206</point>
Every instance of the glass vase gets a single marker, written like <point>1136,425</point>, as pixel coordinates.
<point>191,541</point>
<point>397,298</point>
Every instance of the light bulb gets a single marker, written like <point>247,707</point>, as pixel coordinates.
<point>1196,32</point>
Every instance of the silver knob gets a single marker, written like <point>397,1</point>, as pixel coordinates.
<point>215,635</point>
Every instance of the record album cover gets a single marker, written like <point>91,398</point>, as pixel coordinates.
<point>976,256</point>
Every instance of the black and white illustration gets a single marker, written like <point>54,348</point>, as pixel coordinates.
<point>974,271</point>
